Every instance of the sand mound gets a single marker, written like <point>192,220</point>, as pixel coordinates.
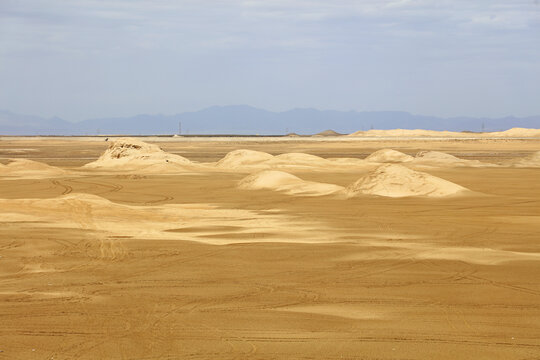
<point>132,154</point>
<point>243,157</point>
<point>328,133</point>
<point>24,167</point>
<point>287,183</point>
<point>389,156</point>
<point>250,160</point>
<point>298,159</point>
<point>394,180</point>
<point>436,158</point>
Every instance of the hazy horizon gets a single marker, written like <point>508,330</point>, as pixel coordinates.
<point>119,58</point>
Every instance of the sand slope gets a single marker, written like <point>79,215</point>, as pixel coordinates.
<point>30,168</point>
<point>394,180</point>
<point>287,183</point>
<point>133,154</point>
<point>532,160</point>
<point>389,156</point>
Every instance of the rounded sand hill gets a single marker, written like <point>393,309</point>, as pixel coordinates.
<point>284,182</point>
<point>437,158</point>
<point>24,167</point>
<point>328,133</point>
<point>394,180</point>
<point>389,156</point>
<point>133,154</point>
<point>243,157</point>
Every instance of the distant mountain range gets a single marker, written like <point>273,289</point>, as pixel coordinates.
<point>244,120</point>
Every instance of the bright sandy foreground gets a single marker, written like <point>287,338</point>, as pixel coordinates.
<point>103,265</point>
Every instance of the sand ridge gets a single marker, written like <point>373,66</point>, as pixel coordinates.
<point>511,133</point>
<point>106,218</point>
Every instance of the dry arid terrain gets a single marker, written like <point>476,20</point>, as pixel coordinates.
<point>353,247</point>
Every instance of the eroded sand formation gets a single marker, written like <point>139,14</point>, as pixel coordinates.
<point>133,154</point>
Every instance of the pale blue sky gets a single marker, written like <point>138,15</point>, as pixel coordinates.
<point>90,58</point>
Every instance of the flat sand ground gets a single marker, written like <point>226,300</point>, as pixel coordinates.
<point>292,278</point>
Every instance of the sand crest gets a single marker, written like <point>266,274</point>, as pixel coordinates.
<point>287,183</point>
<point>394,180</point>
<point>133,154</point>
<point>389,156</point>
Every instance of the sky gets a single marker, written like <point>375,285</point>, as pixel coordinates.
<point>92,58</point>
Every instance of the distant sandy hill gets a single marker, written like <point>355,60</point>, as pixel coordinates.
<point>133,154</point>
<point>29,168</point>
<point>286,183</point>
<point>389,156</point>
<point>514,132</point>
<point>328,133</point>
<point>393,180</point>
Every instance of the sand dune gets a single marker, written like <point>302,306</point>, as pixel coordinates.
<point>298,159</point>
<point>133,154</point>
<point>394,180</point>
<point>389,156</point>
<point>205,223</point>
<point>532,160</point>
<point>30,168</point>
<point>328,133</point>
<point>514,132</point>
<point>286,183</point>
<point>243,157</point>
<point>249,160</point>
<point>436,158</point>
<point>137,271</point>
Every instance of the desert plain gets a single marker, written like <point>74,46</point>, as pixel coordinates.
<point>375,247</point>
